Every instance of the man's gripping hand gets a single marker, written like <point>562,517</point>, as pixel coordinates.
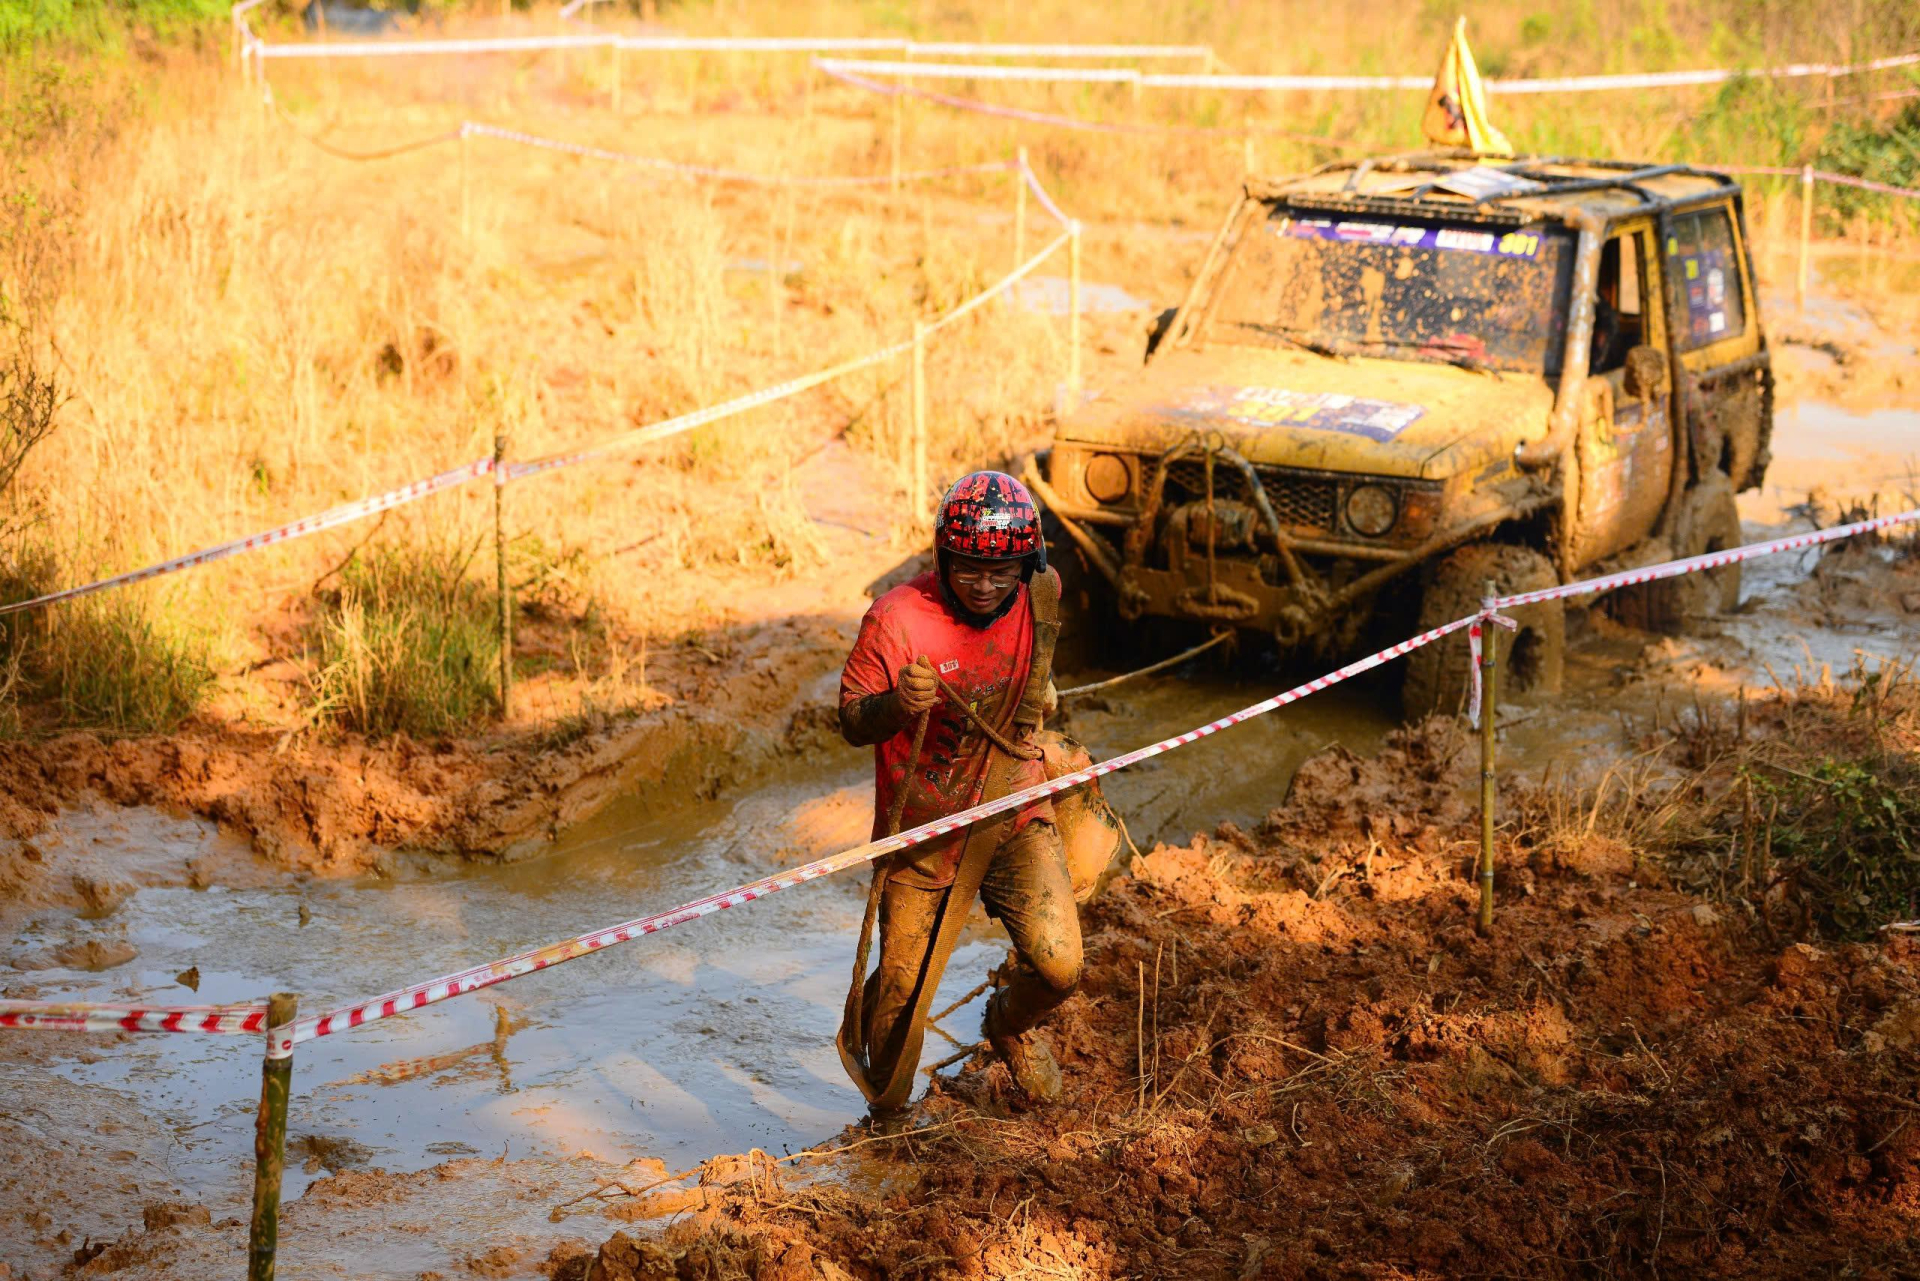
<point>919,688</point>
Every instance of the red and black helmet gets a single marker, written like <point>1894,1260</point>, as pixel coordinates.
<point>990,515</point>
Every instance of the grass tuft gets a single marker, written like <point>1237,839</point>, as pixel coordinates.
<point>407,645</point>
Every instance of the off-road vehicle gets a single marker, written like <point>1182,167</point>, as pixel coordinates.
<point>1412,374</point>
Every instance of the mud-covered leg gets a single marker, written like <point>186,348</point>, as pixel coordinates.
<point>1029,889</point>
<point>908,918</point>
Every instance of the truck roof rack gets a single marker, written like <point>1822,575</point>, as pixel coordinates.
<point>1623,176</point>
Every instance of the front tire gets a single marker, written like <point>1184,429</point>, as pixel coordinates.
<point>1532,660</point>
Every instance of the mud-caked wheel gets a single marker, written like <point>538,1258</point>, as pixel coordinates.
<point>1532,660</point>
<point>1089,623</point>
<point>1708,521</point>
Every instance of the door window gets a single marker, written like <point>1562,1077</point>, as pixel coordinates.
<point>1705,264</point>
<point>1619,320</point>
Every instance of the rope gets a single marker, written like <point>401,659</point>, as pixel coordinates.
<point>1019,751</point>
<point>1149,669</point>
<point>421,144</point>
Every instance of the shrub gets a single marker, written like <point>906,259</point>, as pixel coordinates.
<point>105,662</point>
<point>408,644</point>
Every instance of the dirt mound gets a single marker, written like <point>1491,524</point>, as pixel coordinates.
<point>1292,1057</point>
<point>338,805</point>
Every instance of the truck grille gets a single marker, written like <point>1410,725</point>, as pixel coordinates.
<point>1300,500</point>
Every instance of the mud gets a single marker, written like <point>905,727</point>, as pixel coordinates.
<point>1292,1057</point>
<point>342,806</point>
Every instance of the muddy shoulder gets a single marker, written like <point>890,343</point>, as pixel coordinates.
<point>341,805</point>
<point>1292,1056</point>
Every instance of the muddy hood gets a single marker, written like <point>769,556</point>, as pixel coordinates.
<point>1295,409</point>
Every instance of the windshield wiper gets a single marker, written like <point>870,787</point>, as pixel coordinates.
<point>1446,355</point>
<point>1292,338</point>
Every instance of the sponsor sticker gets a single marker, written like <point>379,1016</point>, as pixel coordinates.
<point>1507,244</point>
<point>1380,420</point>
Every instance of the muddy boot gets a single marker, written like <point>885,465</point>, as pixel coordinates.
<point>1027,1057</point>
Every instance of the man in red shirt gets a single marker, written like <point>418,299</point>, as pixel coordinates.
<point>968,646</point>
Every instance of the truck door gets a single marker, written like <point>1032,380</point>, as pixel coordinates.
<point>1726,381</point>
<point>1624,448</point>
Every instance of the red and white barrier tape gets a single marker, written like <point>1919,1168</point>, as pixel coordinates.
<point>1322,83</point>
<point>721,44</point>
<point>1693,564</point>
<point>285,533</point>
<point>1074,122</point>
<point>1040,193</point>
<point>482,976</point>
<point>55,1016</point>
<point>1005,282</point>
<point>227,1019</point>
<point>1491,605</point>
<point>1822,175</point>
<point>779,391</point>
<point>473,128</point>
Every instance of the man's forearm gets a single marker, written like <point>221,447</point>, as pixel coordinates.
<point>872,719</point>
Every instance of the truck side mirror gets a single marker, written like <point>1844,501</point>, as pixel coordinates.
<point>1646,372</point>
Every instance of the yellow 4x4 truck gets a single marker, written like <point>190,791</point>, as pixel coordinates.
<point>1396,379</point>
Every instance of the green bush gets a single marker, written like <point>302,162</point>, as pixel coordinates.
<point>408,644</point>
<point>1887,153</point>
<point>94,22</point>
<point>1850,831</point>
<point>102,662</point>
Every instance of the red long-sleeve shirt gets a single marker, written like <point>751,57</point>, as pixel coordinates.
<point>987,666</point>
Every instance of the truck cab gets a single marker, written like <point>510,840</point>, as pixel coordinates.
<point>1413,374</point>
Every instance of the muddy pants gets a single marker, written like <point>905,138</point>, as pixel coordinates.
<point>1028,889</point>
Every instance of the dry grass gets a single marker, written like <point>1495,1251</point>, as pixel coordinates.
<point>250,328</point>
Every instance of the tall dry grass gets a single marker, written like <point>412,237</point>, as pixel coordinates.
<point>248,328</point>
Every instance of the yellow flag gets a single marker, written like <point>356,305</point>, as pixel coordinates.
<point>1457,109</point>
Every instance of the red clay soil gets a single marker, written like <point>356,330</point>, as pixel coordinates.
<point>336,804</point>
<point>1342,1080</point>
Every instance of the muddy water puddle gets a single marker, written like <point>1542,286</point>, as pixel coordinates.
<point>716,1037</point>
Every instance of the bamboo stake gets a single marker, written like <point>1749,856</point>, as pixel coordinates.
<point>1806,234</point>
<point>270,1145</point>
<point>1020,210</point>
<point>1489,713</point>
<point>920,512</point>
<point>466,192</point>
<point>893,158</point>
<point>500,571</point>
<point>1073,314</point>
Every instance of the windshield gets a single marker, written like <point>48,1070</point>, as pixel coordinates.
<point>1486,298</point>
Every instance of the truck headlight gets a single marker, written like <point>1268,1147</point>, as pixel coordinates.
<point>1108,478</point>
<point>1372,510</point>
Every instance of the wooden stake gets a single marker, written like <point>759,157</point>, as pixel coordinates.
<point>1073,315</point>
<point>500,571</point>
<point>615,47</point>
<point>1806,234</point>
<point>270,1144</point>
<point>1489,713</point>
<point>920,512</point>
<point>1020,210</point>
